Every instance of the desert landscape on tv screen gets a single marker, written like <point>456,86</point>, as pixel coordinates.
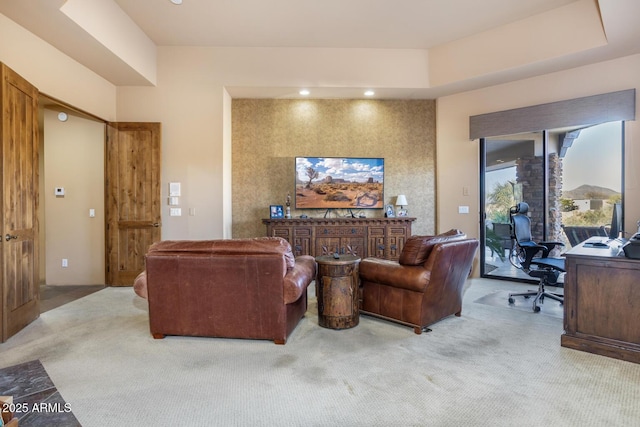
<point>339,183</point>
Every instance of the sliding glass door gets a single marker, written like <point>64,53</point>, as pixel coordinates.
<point>592,182</point>
<point>512,173</point>
<point>571,178</point>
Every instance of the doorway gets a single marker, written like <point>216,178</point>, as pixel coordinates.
<point>72,197</point>
<point>86,163</point>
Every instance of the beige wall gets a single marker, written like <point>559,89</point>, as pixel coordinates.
<point>519,43</point>
<point>74,159</point>
<point>193,105</point>
<point>54,73</point>
<point>455,148</point>
<point>269,134</point>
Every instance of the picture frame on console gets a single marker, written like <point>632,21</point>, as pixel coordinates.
<point>389,211</point>
<point>276,211</point>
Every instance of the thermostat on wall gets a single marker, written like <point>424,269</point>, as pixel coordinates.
<point>59,191</point>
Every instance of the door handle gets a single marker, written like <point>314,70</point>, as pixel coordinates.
<point>156,224</point>
<point>9,237</point>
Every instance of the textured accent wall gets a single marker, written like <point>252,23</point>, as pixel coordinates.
<point>267,135</point>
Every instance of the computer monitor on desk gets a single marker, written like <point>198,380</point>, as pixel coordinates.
<point>615,235</point>
<point>616,221</point>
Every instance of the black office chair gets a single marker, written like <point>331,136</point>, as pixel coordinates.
<point>525,255</point>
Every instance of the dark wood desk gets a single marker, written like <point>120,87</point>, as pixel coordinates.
<point>602,303</point>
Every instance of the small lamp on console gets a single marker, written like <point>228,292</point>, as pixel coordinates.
<point>401,201</point>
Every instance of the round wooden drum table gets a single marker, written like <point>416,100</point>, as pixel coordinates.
<point>337,286</point>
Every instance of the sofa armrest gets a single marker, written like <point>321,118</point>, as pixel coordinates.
<point>392,273</point>
<point>140,285</point>
<point>298,278</point>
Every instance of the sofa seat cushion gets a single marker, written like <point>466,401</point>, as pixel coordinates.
<point>298,278</point>
<point>418,248</point>
<point>414,278</point>
<point>258,245</point>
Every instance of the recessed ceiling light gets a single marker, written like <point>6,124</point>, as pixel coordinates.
<point>304,92</point>
<point>62,116</point>
<point>369,93</point>
<point>176,1</point>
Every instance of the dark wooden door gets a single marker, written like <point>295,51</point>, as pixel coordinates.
<point>19,174</point>
<point>133,209</point>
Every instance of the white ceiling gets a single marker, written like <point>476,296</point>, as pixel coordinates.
<point>387,24</point>
<point>382,24</point>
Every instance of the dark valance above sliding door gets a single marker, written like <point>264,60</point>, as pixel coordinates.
<point>590,110</point>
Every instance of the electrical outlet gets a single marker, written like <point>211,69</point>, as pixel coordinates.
<point>65,262</point>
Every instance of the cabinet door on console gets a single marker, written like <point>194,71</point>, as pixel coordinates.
<point>302,238</point>
<point>396,236</point>
<point>280,231</point>
<point>327,245</point>
<point>352,246</point>
<point>342,245</point>
<point>376,242</point>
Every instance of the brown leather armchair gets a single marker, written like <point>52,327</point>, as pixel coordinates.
<point>424,286</point>
<point>237,288</point>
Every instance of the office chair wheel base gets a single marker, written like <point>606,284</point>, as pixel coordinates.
<point>511,300</point>
<point>536,309</point>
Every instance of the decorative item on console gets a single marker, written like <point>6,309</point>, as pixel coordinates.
<point>288,211</point>
<point>389,212</point>
<point>276,211</point>
<point>401,201</point>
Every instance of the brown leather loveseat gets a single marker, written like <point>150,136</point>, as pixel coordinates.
<point>237,288</point>
<point>424,286</point>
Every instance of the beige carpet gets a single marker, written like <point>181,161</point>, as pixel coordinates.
<point>500,299</point>
<point>494,366</point>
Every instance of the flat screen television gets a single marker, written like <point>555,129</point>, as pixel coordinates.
<point>339,183</point>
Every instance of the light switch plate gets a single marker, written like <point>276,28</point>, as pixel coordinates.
<point>174,189</point>
<point>176,212</point>
<point>463,209</point>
